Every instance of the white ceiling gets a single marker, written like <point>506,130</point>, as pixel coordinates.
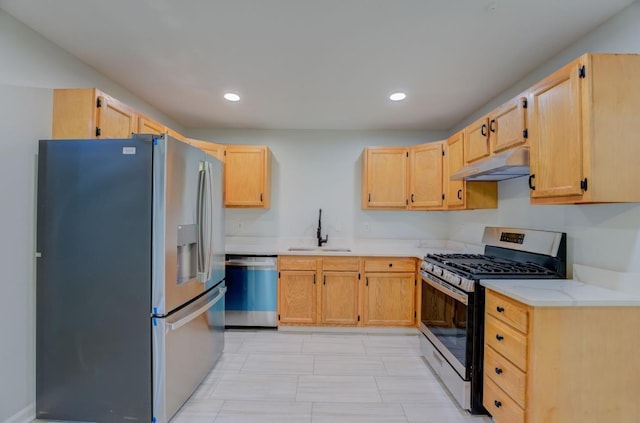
<point>314,64</point>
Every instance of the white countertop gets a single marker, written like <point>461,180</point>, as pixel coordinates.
<point>560,293</point>
<point>356,247</point>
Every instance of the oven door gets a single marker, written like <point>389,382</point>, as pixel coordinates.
<point>447,321</point>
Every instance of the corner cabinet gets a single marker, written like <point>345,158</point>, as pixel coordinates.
<point>560,364</point>
<point>463,195</point>
<point>384,179</point>
<point>247,176</point>
<point>583,132</point>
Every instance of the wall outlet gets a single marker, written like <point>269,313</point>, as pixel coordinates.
<point>239,226</point>
<point>365,227</point>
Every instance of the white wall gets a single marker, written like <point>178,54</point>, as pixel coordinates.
<point>26,117</point>
<point>605,235</point>
<point>30,66</point>
<point>323,169</point>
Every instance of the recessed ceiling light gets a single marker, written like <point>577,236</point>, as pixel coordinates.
<point>232,97</point>
<point>397,96</point>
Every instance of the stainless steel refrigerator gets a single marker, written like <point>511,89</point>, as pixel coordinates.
<point>130,277</point>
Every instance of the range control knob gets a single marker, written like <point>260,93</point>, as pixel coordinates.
<point>456,280</point>
<point>437,271</point>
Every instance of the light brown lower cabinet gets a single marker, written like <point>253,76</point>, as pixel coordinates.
<point>332,291</point>
<point>560,364</point>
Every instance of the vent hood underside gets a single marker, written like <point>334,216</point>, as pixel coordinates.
<point>510,164</point>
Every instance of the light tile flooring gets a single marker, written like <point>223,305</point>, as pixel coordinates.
<point>269,376</point>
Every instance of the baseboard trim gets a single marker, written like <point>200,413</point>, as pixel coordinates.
<point>26,415</point>
<point>351,329</point>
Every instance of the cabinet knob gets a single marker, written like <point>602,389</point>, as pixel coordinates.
<point>499,337</point>
<point>497,403</point>
<point>500,309</point>
<point>390,264</point>
<point>498,370</point>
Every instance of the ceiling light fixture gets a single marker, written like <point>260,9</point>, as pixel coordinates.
<point>397,96</point>
<point>231,97</point>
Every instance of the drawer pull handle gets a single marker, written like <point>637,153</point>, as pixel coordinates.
<point>500,309</point>
<point>498,371</point>
<point>499,337</point>
<point>497,403</point>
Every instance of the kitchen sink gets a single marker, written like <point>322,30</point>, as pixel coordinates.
<point>326,249</point>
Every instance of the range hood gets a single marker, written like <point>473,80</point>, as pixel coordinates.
<point>509,164</point>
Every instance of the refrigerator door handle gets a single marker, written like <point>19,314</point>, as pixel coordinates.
<point>210,183</point>
<point>202,271</point>
<point>189,317</point>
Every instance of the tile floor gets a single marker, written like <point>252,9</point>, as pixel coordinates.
<point>270,376</point>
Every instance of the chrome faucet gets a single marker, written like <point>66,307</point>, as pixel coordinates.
<point>319,234</point>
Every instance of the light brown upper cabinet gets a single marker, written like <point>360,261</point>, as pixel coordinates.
<point>384,180</point>
<point>507,125</point>
<point>90,113</point>
<point>176,135</point>
<point>461,195</point>
<point>425,176</point>
<point>216,150</point>
<point>149,126</point>
<point>476,144</point>
<point>584,121</point>
<point>247,176</point>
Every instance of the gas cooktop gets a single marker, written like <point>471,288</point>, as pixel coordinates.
<point>482,265</point>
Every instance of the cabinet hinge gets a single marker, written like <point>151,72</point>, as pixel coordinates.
<point>366,281</point>
<point>582,72</point>
<point>583,184</point>
<point>278,317</point>
<point>278,275</point>
<point>358,317</point>
<point>369,197</point>
<point>415,282</point>
<point>443,153</point>
<point>358,276</point>
<point>224,153</point>
<point>525,103</point>
<point>407,154</point>
<point>443,196</point>
<point>406,202</point>
<point>525,134</point>
<point>98,131</point>
<point>415,314</point>
<point>99,102</point>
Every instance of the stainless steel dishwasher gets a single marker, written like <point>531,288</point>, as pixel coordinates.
<point>251,290</point>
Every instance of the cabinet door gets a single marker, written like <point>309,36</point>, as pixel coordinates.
<point>425,176</point>
<point>385,176</point>
<point>149,126</point>
<point>507,125</point>
<point>339,299</point>
<point>476,140</point>
<point>389,299</point>
<point>454,157</point>
<point>297,297</point>
<point>555,134</point>
<point>114,119</point>
<point>246,175</point>
<point>216,150</point>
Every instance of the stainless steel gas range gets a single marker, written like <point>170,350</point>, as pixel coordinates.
<point>452,311</point>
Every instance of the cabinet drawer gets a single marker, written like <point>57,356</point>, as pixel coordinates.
<point>507,341</point>
<point>508,311</point>
<point>507,376</point>
<point>389,264</point>
<point>500,406</point>
<point>297,263</point>
<point>341,264</point>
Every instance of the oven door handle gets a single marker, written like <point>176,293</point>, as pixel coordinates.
<point>464,299</point>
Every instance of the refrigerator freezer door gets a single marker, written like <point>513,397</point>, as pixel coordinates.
<point>93,352</point>
<point>186,346</point>
<point>179,238</point>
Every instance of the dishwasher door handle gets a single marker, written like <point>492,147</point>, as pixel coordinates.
<point>248,263</point>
